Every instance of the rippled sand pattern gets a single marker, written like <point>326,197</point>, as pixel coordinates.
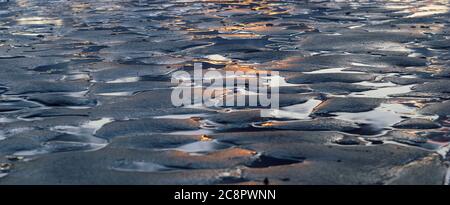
<point>85,92</point>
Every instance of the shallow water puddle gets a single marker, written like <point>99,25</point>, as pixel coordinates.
<point>390,46</point>
<point>116,94</point>
<point>61,146</point>
<point>376,84</point>
<point>382,117</point>
<point>76,76</point>
<point>427,10</point>
<point>299,111</point>
<point>383,92</point>
<point>77,94</point>
<point>277,81</point>
<point>331,71</point>
<point>39,21</point>
<point>192,132</point>
<point>139,166</point>
<point>201,147</point>
<point>367,65</point>
<point>217,57</point>
<point>182,116</point>
<point>88,128</point>
<point>125,80</point>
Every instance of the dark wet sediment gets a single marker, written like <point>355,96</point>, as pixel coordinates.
<point>85,92</point>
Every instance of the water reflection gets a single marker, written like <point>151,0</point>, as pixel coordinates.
<point>120,55</point>
<point>39,21</point>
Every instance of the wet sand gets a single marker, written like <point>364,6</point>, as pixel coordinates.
<point>85,92</point>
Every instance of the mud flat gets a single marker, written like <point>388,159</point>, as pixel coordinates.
<point>85,92</point>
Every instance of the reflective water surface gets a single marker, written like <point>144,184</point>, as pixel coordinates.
<point>85,92</point>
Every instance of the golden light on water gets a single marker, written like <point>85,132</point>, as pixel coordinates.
<point>267,124</point>
<point>244,68</point>
<point>205,138</point>
<point>240,36</point>
<point>39,21</point>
